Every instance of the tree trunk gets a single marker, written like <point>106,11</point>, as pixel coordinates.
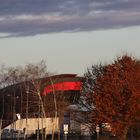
<point>0,128</point>
<point>124,135</point>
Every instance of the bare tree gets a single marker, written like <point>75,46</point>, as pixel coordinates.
<point>29,77</point>
<point>28,82</point>
<point>85,102</point>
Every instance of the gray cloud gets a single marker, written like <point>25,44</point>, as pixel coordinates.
<point>32,17</point>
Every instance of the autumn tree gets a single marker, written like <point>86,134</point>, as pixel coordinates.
<point>116,96</point>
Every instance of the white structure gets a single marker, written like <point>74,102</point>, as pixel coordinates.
<point>31,125</point>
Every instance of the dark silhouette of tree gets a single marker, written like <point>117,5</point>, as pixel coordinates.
<point>116,96</point>
<point>89,81</point>
<point>85,101</point>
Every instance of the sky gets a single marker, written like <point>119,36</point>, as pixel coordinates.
<point>70,35</point>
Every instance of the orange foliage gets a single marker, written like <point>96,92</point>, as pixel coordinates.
<point>116,95</point>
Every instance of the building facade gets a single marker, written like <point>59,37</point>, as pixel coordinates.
<point>43,105</point>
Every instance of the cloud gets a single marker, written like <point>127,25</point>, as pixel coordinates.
<point>32,17</point>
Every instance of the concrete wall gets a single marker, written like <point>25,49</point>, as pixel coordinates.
<point>33,124</point>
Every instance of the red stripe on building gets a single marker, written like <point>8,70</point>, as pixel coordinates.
<point>63,86</point>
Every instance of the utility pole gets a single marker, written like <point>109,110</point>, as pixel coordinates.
<point>26,130</point>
